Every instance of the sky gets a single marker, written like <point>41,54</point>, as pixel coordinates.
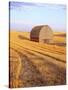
<point>24,16</point>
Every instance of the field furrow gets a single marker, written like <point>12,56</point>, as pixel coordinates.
<point>35,64</point>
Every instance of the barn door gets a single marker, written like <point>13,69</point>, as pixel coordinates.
<point>46,40</point>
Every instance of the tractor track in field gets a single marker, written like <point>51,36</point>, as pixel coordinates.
<point>29,75</point>
<point>36,74</point>
<point>33,64</point>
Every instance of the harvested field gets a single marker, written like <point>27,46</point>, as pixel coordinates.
<point>36,64</point>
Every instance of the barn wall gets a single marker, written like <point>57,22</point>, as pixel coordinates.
<point>34,35</point>
<point>36,39</point>
<point>39,33</point>
<point>46,35</point>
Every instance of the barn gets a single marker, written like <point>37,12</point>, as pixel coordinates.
<point>42,33</point>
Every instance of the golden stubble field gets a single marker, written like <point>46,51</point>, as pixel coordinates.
<point>36,64</point>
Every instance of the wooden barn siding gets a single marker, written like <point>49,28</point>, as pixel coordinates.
<point>36,39</point>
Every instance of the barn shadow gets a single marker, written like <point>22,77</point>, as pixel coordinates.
<point>58,44</point>
<point>22,37</point>
<point>61,35</point>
